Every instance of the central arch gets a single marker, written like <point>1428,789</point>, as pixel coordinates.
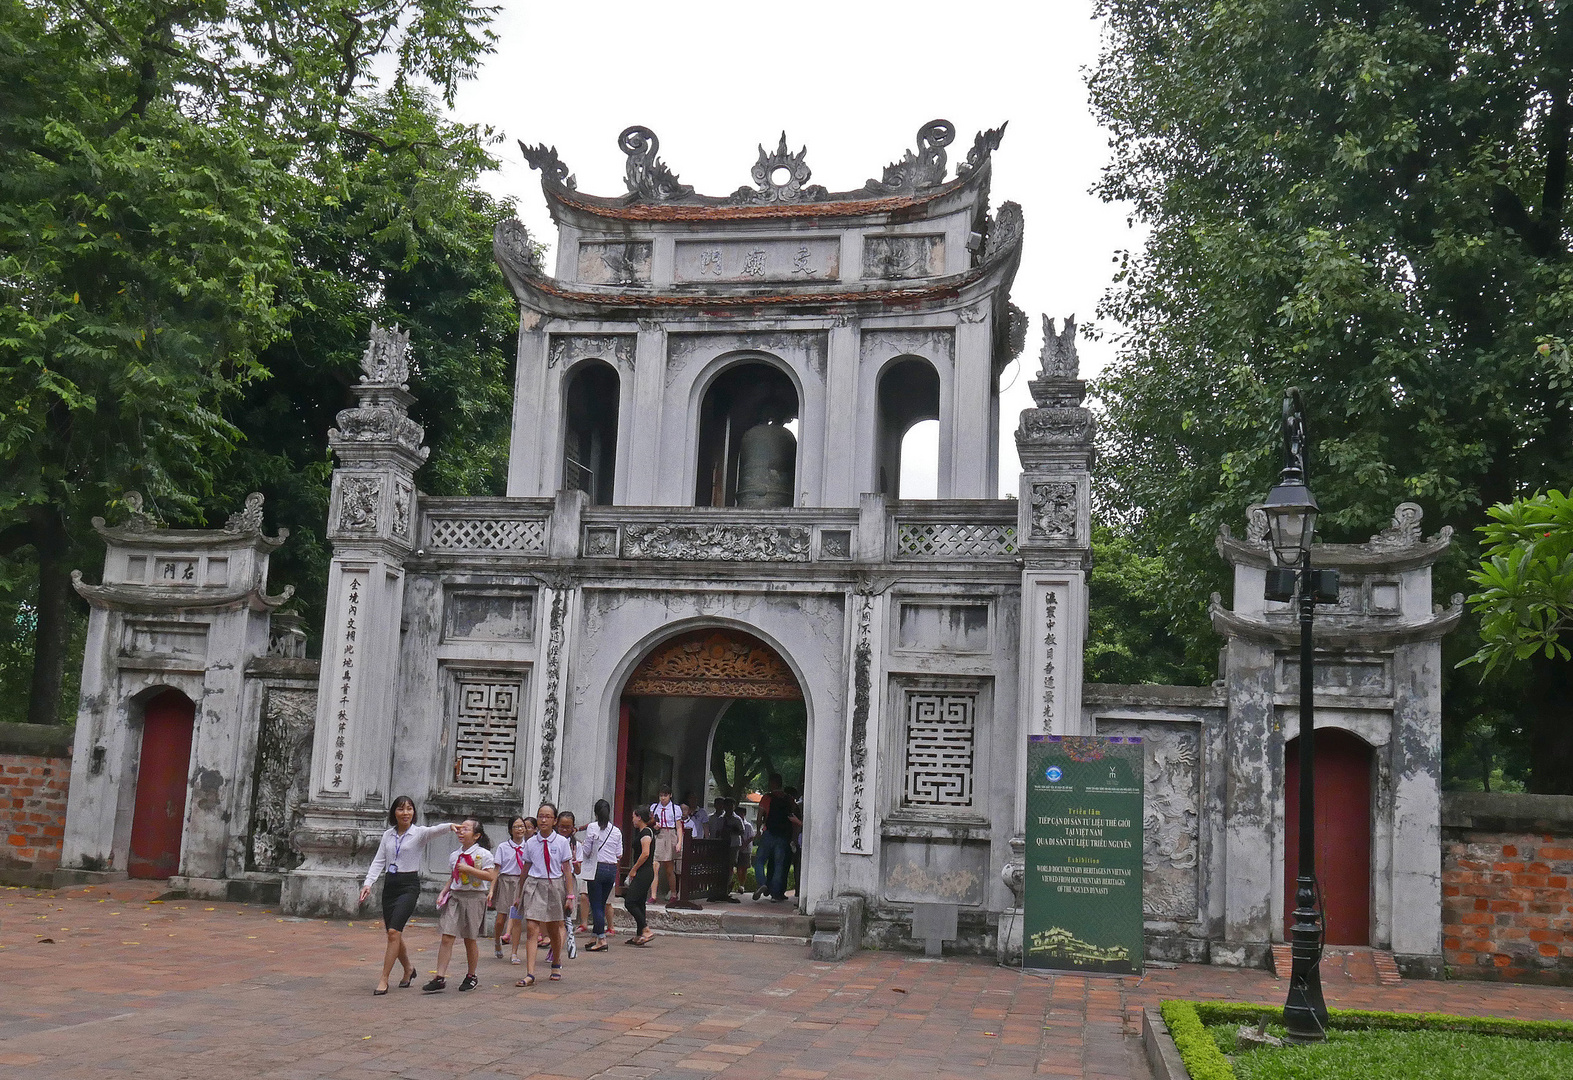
<point>673,700</point>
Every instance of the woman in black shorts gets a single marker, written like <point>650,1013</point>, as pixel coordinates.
<point>400,853</point>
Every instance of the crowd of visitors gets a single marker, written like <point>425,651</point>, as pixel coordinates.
<point>549,867</point>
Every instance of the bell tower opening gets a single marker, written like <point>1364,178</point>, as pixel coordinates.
<point>908,396</point>
<point>590,431</point>
<point>747,452</point>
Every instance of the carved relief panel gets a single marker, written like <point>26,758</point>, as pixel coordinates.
<point>801,260</point>
<point>614,262</point>
<point>897,258</point>
<point>1171,834</point>
<point>282,776</point>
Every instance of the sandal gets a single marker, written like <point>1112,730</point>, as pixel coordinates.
<point>515,959</point>
<point>557,973</point>
<point>599,946</point>
<point>528,980</point>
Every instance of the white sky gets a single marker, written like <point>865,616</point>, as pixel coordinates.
<point>854,81</point>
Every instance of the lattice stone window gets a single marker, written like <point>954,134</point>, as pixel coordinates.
<point>486,730</point>
<point>953,540</point>
<point>487,534</point>
<point>941,732</point>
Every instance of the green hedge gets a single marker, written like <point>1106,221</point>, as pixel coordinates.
<point>1203,1060</point>
<point>1229,1012</point>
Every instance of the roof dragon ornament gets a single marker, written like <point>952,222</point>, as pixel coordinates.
<point>647,175</point>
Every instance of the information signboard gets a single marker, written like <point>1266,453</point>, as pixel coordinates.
<point>1083,904</point>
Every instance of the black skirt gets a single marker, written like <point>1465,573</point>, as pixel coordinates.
<point>399,894</point>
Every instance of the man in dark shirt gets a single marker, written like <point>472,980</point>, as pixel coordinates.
<point>779,815</point>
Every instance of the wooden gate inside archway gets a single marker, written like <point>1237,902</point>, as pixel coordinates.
<point>714,665</point>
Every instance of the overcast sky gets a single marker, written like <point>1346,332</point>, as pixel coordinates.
<point>854,81</point>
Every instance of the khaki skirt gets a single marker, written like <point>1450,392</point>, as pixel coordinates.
<point>506,894</point>
<point>542,899</point>
<point>464,915</point>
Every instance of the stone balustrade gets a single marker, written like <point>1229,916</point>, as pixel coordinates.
<point>958,531</point>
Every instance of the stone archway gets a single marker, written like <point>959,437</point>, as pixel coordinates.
<point>673,700</point>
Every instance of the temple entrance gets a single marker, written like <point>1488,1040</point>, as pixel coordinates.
<point>709,713</point>
<point>162,771</point>
<point>1343,833</point>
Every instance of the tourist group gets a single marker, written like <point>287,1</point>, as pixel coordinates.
<point>548,863</point>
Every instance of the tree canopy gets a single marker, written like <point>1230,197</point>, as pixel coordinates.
<point>1367,200</point>
<point>205,205</point>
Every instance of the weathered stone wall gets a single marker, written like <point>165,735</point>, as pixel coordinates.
<point>35,772</point>
<point>1507,904</point>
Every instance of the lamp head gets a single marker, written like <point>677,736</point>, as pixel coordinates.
<point>1291,520</point>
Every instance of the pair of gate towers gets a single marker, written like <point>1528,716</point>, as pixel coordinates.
<point>710,402</point>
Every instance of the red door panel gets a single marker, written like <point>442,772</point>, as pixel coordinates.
<point>1343,833</point>
<point>162,771</point>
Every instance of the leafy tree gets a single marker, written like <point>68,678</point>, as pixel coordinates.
<point>755,739</point>
<point>1128,639</point>
<point>153,157</point>
<point>1367,200</point>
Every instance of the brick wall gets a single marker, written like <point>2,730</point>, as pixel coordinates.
<point>1507,887</point>
<point>35,771</point>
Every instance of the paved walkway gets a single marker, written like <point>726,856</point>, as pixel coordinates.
<point>187,989</point>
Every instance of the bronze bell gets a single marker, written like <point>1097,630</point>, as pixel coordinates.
<point>767,466</point>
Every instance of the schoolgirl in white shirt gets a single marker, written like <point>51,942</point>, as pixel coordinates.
<point>548,860</point>
<point>462,905</point>
<point>400,853</point>
<point>505,890</point>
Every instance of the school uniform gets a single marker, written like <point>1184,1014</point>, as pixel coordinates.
<point>510,876</point>
<point>667,820</point>
<point>464,913</point>
<point>548,864</point>
<point>401,855</point>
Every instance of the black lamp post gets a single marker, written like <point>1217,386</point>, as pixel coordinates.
<point>1291,520</point>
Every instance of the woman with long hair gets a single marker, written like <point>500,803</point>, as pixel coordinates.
<point>641,875</point>
<point>462,905</point>
<point>603,849</point>
<point>548,860</point>
<point>403,845</point>
<point>505,890</point>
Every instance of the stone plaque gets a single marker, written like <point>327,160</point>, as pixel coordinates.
<point>896,258</point>
<point>490,615</point>
<point>944,628</point>
<point>803,260</point>
<point>934,872</point>
<point>614,263</point>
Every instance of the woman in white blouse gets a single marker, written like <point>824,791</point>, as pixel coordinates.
<point>403,845</point>
<point>603,847</point>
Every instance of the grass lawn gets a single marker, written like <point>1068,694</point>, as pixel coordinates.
<point>1371,1046</point>
<point>1431,1055</point>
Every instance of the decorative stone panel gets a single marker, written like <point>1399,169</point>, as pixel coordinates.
<point>954,540</point>
<point>522,535</point>
<point>486,729</point>
<point>940,747</point>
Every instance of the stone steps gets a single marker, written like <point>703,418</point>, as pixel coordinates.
<point>735,922</point>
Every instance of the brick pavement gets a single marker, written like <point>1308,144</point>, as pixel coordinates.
<point>191,989</point>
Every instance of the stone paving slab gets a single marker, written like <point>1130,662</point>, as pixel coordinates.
<point>131,987</point>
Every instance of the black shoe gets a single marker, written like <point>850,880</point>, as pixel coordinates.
<point>470,983</point>
<point>438,983</point>
<point>759,892</point>
<point>778,899</point>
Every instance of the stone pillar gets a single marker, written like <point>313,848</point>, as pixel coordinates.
<point>371,523</point>
<point>1054,534</point>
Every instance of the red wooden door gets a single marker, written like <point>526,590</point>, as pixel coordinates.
<point>1343,833</point>
<point>162,772</point>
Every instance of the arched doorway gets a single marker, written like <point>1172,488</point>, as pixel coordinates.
<point>747,449</point>
<point>675,701</point>
<point>590,431</point>
<point>163,769</point>
<point>908,397</point>
<point>1343,833</point>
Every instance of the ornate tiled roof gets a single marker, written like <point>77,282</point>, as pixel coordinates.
<point>780,181</point>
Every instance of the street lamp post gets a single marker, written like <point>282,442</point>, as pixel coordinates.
<point>1291,519</point>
